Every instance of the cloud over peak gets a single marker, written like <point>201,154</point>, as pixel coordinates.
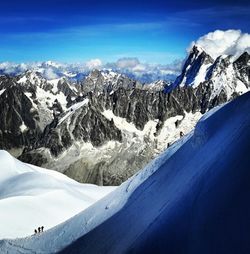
<point>93,64</point>
<point>130,66</point>
<point>229,42</point>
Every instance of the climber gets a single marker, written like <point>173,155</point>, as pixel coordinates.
<point>181,134</point>
<point>35,231</point>
<point>42,227</point>
<point>39,230</point>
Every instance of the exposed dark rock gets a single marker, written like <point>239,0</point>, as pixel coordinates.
<point>18,119</point>
<point>48,129</point>
<point>35,158</point>
<point>196,59</point>
<point>242,64</point>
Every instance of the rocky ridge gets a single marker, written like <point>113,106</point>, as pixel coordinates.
<point>108,126</point>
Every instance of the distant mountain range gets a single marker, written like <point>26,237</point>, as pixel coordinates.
<point>132,68</point>
<point>104,126</point>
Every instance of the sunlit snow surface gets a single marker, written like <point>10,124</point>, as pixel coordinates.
<point>31,197</point>
<point>192,199</point>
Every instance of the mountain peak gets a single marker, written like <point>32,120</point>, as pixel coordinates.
<point>243,58</point>
<point>194,69</point>
<point>51,64</point>
<point>196,49</point>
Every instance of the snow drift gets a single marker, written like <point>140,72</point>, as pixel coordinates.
<point>31,197</point>
<point>191,199</point>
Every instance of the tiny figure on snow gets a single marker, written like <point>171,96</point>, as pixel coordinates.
<point>39,230</point>
<point>181,134</point>
<point>35,231</point>
<point>42,227</point>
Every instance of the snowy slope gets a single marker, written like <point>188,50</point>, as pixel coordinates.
<point>72,109</point>
<point>191,199</point>
<point>32,197</point>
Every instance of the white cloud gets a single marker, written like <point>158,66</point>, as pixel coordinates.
<point>127,62</point>
<point>132,67</point>
<point>50,74</point>
<point>230,42</point>
<point>145,72</point>
<point>13,68</point>
<point>140,68</point>
<point>93,64</point>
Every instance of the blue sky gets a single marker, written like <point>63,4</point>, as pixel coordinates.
<point>74,31</point>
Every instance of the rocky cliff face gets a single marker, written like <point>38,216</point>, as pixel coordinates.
<point>224,75</point>
<point>105,128</point>
<point>242,67</point>
<point>19,120</point>
<point>194,69</point>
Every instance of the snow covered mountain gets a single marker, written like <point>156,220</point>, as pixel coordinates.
<point>31,196</point>
<point>126,124</point>
<point>224,75</point>
<point>76,72</point>
<point>94,129</point>
<point>95,141</point>
<point>193,200</point>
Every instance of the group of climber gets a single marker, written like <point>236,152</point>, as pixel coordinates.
<point>39,230</point>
